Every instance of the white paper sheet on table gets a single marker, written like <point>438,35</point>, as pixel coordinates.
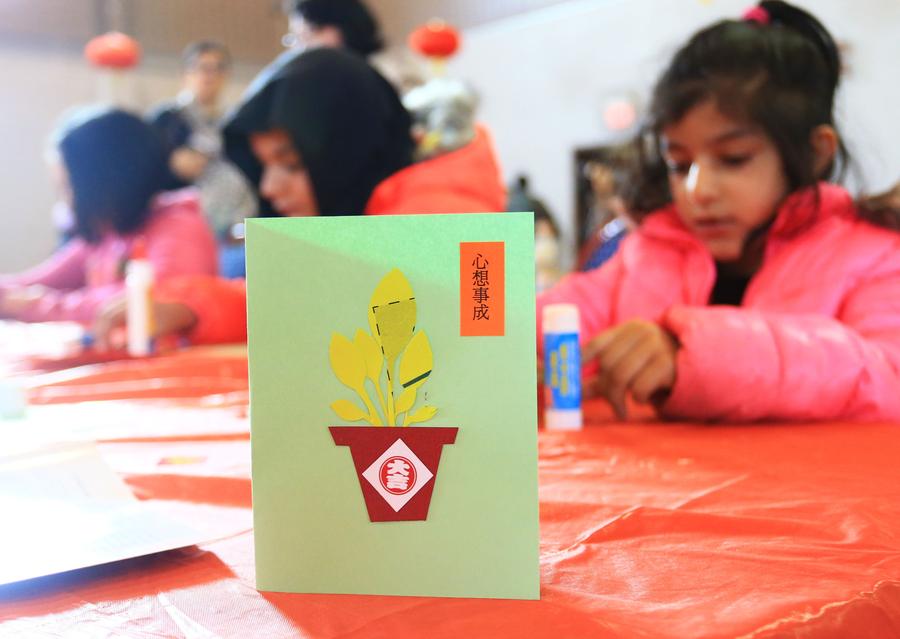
<point>64,509</point>
<point>50,340</point>
<point>129,419</point>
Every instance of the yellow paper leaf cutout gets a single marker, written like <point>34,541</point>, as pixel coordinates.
<point>347,362</point>
<point>348,411</point>
<point>371,354</point>
<point>392,287</point>
<point>392,319</point>
<point>423,414</point>
<point>392,314</point>
<point>406,400</point>
<point>416,362</point>
<point>394,324</point>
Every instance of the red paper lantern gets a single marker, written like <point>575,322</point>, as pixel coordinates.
<point>437,39</point>
<point>620,114</point>
<point>115,50</point>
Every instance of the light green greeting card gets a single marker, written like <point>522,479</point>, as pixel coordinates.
<point>393,404</point>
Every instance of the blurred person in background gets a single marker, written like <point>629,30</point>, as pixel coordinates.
<point>546,233</point>
<point>189,126</point>
<point>110,169</point>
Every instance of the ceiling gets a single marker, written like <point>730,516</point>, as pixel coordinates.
<point>399,17</point>
<point>251,28</point>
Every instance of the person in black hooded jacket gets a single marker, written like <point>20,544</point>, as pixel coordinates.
<point>343,121</point>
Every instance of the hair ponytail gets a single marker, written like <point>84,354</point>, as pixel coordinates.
<point>798,20</point>
<point>882,209</point>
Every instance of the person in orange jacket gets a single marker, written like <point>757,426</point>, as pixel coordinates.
<point>322,133</point>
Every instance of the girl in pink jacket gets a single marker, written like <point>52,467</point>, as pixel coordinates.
<point>112,172</point>
<point>752,289</point>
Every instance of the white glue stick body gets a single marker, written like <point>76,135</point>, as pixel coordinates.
<point>562,367</point>
<point>139,307</point>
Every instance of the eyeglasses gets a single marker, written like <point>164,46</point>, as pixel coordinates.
<point>209,69</point>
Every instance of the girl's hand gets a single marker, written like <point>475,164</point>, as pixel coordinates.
<point>168,319</point>
<point>188,164</point>
<point>636,357</point>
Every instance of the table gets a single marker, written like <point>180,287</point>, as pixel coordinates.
<point>647,530</point>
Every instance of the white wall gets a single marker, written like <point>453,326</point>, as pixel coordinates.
<point>36,86</point>
<point>544,78</point>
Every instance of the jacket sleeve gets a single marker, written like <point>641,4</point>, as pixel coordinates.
<point>80,305</point>
<point>66,297</point>
<point>744,365</point>
<point>63,270</point>
<point>181,244</point>
<point>220,306</point>
<point>591,291</point>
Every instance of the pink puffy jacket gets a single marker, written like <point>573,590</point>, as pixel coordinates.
<point>81,277</point>
<point>816,337</point>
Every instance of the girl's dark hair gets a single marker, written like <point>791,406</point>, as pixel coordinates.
<point>355,21</point>
<point>115,164</point>
<point>882,209</point>
<point>522,199</point>
<point>781,76</point>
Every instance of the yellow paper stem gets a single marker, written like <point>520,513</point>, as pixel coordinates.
<point>391,406</point>
<point>381,399</point>
<point>374,418</point>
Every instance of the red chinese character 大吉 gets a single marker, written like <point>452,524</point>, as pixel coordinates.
<point>397,475</point>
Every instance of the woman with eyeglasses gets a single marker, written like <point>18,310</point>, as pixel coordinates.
<point>189,127</point>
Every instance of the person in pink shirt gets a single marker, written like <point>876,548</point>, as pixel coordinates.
<point>752,288</point>
<point>111,171</point>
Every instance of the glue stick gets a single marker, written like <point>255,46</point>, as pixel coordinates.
<point>139,307</point>
<point>562,367</point>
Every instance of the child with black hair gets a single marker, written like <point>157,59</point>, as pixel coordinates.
<point>752,289</point>
<point>546,232</point>
<point>112,169</point>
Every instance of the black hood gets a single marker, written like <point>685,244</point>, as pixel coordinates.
<point>344,118</point>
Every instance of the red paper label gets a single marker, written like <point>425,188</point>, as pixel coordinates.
<point>482,288</point>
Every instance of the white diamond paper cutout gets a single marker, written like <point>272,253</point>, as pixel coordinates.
<point>397,475</point>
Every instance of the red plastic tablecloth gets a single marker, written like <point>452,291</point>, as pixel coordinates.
<point>647,530</point>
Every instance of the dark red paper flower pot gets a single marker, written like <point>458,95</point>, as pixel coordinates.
<point>396,467</point>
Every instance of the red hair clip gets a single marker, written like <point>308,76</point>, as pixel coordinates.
<point>757,14</point>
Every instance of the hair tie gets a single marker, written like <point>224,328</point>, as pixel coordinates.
<point>757,14</point>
